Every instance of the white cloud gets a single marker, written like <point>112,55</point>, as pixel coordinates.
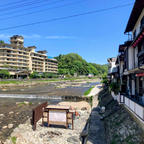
<point>59,37</point>
<point>7,36</point>
<point>4,36</point>
<point>37,36</point>
<point>31,36</point>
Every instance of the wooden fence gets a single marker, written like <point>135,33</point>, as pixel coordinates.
<point>37,114</point>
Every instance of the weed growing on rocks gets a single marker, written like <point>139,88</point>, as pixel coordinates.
<point>13,139</point>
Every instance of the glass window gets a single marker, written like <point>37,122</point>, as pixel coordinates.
<point>142,22</point>
<point>134,34</point>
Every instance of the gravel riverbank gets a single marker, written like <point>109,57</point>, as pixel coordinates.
<point>14,114</point>
<point>11,115</point>
<point>49,135</point>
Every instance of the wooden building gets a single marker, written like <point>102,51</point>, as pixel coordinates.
<point>130,62</point>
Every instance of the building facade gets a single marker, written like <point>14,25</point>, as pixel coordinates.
<point>135,53</point>
<point>112,69</point>
<point>17,59</point>
<point>130,62</point>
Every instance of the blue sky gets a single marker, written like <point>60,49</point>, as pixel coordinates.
<point>95,37</point>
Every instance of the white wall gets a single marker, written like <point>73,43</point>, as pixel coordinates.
<point>133,87</point>
<point>130,58</point>
<point>137,26</point>
<point>121,67</point>
<point>112,66</point>
<point>128,88</point>
<point>136,57</point>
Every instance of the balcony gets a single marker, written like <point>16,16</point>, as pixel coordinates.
<point>141,58</point>
<point>133,105</point>
<point>113,70</point>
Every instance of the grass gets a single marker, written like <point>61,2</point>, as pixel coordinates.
<point>10,82</point>
<point>30,103</point>
<point>21,104</point>
<point>88,91</point>
<point>13,139</point>
<point>24,103</point>
<point>91,101</point>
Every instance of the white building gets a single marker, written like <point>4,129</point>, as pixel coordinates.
<point>131,64</point>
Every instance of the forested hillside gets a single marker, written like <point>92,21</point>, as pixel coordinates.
<point>73,63</point>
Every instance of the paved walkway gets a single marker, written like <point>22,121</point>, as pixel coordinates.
<point>95,90</point>
<point>96,130</point>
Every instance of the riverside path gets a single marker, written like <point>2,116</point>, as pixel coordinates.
<point>96,134</point>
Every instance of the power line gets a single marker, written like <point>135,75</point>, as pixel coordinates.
<point>12,3</point>
<point>66,17</point>
<point>17,11</point>
<point>22,5</point>
<point>39,11</point>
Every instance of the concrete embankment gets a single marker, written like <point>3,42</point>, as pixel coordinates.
<point>120,126</point>
<point>114,126</point>
<point>94,131</point>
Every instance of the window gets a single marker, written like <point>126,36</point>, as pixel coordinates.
<point>142,23</point>
<point>134,34</point>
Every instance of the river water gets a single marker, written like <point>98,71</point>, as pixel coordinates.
<point>52,92</point>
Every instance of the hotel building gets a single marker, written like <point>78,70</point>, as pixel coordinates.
<point>18,59</point>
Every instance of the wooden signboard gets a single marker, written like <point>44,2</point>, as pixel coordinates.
<point>58,115</point>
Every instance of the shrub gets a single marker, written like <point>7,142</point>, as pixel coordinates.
<point>105,79</point>
<point>4,74</point>
<point>115,87</point>
<point>35,75</point>
<point>49,75</point>
<point>13,139</point>
<point>43,75</point>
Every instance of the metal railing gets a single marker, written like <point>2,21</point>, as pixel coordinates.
<point>136,107</point>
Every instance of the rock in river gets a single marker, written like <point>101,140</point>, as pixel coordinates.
<point>11,112</point>
<point>4,127</point>
<point>1,115</point>
<point>10,126</point>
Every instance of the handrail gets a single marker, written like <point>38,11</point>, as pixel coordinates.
<point>135,107</point>
<point>134,100</point>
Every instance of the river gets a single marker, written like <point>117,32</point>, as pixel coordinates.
<point>11,112</point>
<point>43,92</point>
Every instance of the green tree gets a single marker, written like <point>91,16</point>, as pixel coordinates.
<point>2,42</point>
<point>73,63</point>
<point>105,79</point>
<point>35,75</point>
<point>92,69</point>
<point>115,87</point>
<point>49,75</point>
<point>4,74</point>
